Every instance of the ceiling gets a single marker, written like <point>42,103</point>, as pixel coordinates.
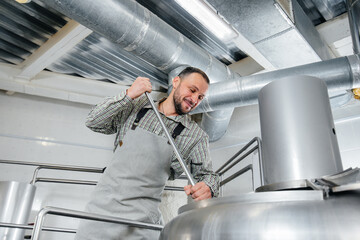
<point>43,52</point>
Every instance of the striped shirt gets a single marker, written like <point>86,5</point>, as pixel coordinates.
<point>117,114</point>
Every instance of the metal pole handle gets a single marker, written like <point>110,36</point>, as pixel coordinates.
<point>180,159</point>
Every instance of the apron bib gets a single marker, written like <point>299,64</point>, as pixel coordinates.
<point>130,188</point>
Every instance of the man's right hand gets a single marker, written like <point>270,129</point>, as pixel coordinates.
<point>140,86</point>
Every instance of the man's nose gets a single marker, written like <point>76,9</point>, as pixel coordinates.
<point>194,99</point>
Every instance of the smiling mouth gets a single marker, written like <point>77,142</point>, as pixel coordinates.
<point>189,104</point>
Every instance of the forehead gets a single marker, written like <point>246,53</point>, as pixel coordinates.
<point>196,80</point>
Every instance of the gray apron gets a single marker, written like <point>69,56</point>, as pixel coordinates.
<point>130,188</point>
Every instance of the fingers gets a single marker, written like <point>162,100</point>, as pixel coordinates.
<point>198,192</point>
<point>187,189</point>
<point>139,86</point>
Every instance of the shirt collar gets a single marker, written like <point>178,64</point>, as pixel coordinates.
<point>183,119</point>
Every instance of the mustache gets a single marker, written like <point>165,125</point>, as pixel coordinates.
<point>192,103</point>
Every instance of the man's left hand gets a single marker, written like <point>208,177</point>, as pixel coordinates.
<point>199,191</point>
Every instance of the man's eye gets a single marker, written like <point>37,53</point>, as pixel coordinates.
<point>192,90</point>
<point>201,97</point>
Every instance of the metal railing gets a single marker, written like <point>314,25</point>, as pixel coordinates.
<point>38,226</point>
<point>40,218</point>
<point>236,158</point>
<point>40,166</point>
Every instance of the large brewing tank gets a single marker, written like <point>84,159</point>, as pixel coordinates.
<point>297,131</point>
<point>16,200</point>
<point>283,215</point>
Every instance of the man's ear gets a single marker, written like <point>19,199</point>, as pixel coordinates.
<point>176,82</point>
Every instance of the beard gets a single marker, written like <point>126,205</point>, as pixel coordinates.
<point>177,103</point>
<point>178,107</point>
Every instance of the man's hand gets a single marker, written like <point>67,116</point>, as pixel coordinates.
<point>140,86</point>
<point>198,192</point>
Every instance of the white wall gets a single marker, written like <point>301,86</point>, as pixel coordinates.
<point>37,129</point>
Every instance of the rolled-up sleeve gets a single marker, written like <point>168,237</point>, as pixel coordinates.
<point>201,166</point>
<point>106,116</point>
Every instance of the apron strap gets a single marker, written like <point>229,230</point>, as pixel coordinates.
<point>139,116</point>
<point>177,131</point>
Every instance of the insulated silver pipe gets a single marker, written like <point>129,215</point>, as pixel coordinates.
<point>84,215</point>
<point>339,74</point>
<point>177,153</point>
<point>145,35</point>
<point>142,33</point>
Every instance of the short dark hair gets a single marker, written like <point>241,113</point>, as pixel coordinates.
<point>190,70</point>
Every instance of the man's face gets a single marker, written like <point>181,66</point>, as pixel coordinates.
<point>189,92</point>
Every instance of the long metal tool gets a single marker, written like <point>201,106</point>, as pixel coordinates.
<point>181,161</point>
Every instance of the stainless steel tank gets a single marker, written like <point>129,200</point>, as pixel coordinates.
<point>297,131</point>
<point>16,200</point>
<point>283,215</point>
<point>299,150</point>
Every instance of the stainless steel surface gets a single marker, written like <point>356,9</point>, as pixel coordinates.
<point>28,227</point>
<point>332,218</point>
<point>293,184</point>
<point>297,130</point>
<point>339,74</point>
<point>15,205</point>
<point>354,17</point>
<point>347,176</point>
<point>265,197</point>
<point>347,187</point>
<point>84,215</point>
<point>177,153</point>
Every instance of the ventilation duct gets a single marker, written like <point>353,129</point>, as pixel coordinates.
<point>142,33</point>
<point>339,74</point>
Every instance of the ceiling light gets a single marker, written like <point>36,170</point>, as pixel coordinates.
<point>208,18</point>
<point>23,1</point>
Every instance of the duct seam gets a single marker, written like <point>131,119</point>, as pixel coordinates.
<point>354,62</point>
<point>145,26</point>
<point>275,35</point>
<point>285,15</point>
<point>176,55</point>
<point>210,63</point>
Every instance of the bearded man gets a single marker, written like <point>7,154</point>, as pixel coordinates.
<point>143,161</point>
